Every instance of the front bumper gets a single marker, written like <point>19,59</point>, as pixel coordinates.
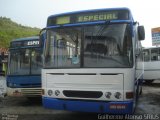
<point>28,92</point>
<point>115,107</point>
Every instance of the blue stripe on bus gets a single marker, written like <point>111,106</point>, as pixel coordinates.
<point>90,23</point>
<point>87,106</point>
<point>24,81</point>
<point>97,22</point>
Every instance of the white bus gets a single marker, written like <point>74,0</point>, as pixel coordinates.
<point>93,61</point>
<point>151,64</point>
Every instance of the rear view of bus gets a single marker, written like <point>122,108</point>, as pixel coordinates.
<point>92,61</point>
<point>24,67</point>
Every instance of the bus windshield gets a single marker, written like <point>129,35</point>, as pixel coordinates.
<point>25,61</point>
<point>92,46</point>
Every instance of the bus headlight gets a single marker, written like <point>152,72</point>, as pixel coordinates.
<point>50,92</point>
<point>129,95</point>
<point>108,94</point>
<point>57,92</point>
<point>10,84</point>
<point>117,95</point>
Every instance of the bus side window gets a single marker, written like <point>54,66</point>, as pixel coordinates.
<point>154,58</point>
<point>154,54</point>
<point>146,55</point>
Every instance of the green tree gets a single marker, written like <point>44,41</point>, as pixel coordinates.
<point>10,30</point>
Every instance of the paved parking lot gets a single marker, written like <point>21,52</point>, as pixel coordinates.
<point>23,109</point>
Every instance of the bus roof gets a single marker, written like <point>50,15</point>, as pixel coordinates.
<point>90,10</point>
<point>92,14</point>
<point>26,42</point>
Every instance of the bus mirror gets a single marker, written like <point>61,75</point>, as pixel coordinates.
<point>141,33</point>
<point>42,35</point>
<point>42,31</point>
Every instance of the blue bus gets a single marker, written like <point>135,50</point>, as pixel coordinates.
<point>93,61</point>
<point>24,67</point>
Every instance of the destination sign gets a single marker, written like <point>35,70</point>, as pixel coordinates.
<point>25,43</point>
<point>88,17</point>
<point>97,17</point>
<point>32,43</point>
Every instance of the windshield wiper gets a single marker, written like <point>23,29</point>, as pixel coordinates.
<point>101,30</point>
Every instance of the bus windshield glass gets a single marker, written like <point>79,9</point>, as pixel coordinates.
<point>25,61</point>
<point>92,46</point>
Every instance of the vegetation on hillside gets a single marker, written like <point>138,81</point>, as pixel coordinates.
<point>10,30</point>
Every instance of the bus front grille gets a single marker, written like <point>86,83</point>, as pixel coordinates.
<point>31,91</point>
<point>82,94</point>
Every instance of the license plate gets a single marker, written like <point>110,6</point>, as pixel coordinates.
<point>17,93</point>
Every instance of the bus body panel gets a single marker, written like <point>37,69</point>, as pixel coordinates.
<point>24,86</point>
<point>103,80</point>
<point>121,82</point>
<point>151,70</point>
<point>25,81</point>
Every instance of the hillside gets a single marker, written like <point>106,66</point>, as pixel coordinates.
<point>10,30</point>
